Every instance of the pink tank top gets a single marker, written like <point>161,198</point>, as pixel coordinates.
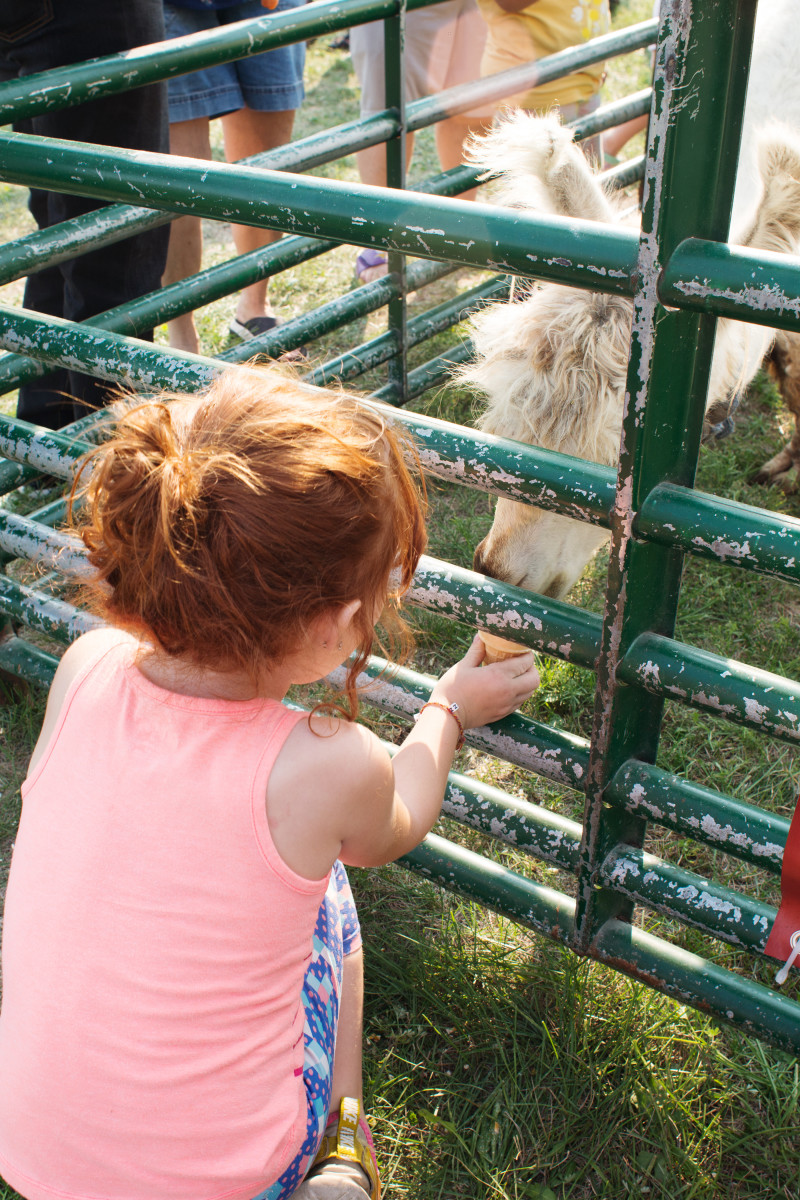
<point>154,948</point>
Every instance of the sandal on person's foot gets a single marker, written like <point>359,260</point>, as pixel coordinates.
<point>345,1166</point>
<point>371,264</point>
<point>247,330</point>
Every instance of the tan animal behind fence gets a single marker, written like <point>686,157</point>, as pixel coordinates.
<point>553,364</point>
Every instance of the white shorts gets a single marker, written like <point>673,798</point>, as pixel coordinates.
<point>443,47</point>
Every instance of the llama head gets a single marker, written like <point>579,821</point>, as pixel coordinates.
<point>553,365</point>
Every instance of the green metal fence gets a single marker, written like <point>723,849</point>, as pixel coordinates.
<point>680,274</point>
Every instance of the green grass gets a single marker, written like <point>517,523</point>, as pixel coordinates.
<point>498,1065</point>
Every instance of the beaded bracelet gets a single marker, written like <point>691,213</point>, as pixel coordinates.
<point>448,708</point>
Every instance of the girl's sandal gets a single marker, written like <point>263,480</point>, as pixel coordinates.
<point>345,1166</point>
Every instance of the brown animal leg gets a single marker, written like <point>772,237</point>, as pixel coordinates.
<point>784,467</point>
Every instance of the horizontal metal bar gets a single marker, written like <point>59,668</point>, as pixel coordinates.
<point>558,629</point>
<point>726,688</point>
<point>548,625</point>
<point>714,528</point>
<point>187,295</point>
<point>102,353</point>
<point>21,537</point>
<point>686,977</point>
<point>37,610</point>
<point>480,460</point>
<point>756,286</point>
<point>433,373</point>
<point>460,99</point>
<point>529,827</point>
<point>693,980</point>
<point>558,482</point>
<point>47,452</point>
<point>683,896</point>
<point>103,227</point>
<point>90,231</point>
<point>136,317</point>
<point>359,302</point>
<point>13,474</point>
<point>616,112</point>
<point>578,253</point>
<point>625,174</point>
<point>452,867</point>
<point>28,662</point>
<point>436,372</point>
<point>699,813</point>
<point>553,753</point>
<point>722,530</point>
<point>65,87</point>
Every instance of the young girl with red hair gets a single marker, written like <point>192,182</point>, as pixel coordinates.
<point>181,950</point>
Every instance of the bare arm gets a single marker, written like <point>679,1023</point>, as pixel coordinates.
<point>411,795</point>
<point>514,6</point>
<point>334,792</point>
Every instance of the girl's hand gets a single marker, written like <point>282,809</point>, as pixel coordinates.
<point>485,694</point>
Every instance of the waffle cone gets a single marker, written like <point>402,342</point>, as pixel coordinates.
<point>498,649</point>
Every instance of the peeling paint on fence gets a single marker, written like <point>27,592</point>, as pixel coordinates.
<point>637,668</point>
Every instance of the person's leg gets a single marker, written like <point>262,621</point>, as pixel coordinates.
<point>614,139</point>
<point>372,162</point>
<point>194,100</point>
<point>272,90</point>
<point>367,54</point>
<point>347,1077</point>
<point>450,138</point>
<point>345,1166</point>
<point>190,139</point>
<point>100,279</point>
<point>459,49</point>
<point>249,132</point>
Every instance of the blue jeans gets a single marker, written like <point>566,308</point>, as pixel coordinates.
<point>268,82</point>
<point>34,36</point>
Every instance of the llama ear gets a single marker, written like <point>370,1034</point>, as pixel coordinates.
<point>539,166</point>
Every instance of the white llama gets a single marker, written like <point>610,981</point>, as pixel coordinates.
<point>553,365</point>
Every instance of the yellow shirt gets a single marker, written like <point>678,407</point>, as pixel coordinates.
<point>541,29</point>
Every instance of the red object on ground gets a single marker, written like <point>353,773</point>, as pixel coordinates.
<point>788,918</point>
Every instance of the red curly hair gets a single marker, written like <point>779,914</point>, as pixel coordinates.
<point>221,525</point>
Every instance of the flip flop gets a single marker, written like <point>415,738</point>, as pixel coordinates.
<point>247,330</point>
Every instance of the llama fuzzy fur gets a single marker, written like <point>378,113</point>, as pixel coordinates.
<point>553,364</point>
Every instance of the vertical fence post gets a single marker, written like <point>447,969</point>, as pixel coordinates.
<point>394,44</point>
<point>700,83</point>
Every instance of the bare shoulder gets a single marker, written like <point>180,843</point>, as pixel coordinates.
<point>340,754</point>
<point>330,777</point>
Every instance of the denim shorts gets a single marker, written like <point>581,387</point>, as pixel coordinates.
<point>268,82</point>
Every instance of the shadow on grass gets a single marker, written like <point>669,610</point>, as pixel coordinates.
<point>499,1065</point>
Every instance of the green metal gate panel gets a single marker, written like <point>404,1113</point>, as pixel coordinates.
<point>681,276</point>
